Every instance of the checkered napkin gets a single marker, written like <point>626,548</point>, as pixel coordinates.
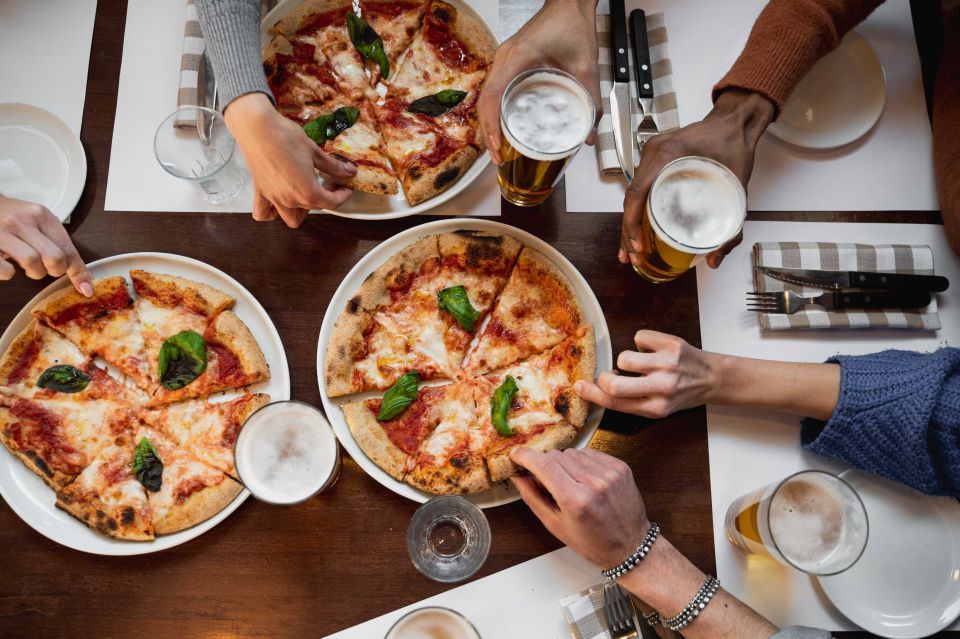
<point>892,258</point>
<point>664,100</point>
<point>584,613</point>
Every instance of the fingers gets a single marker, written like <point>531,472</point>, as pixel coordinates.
<point>651,341</point>
<point>505,67</point>
<point>53,259</point>
<point>644,406</point>
<point>331,166</point>
<point>714,259</point>
<point>6,270</point>
<point>546,467</point>
<point>24,255</point>
<point>634,207</point>
<point>74,267</point>
<point>263,209</point>
<point>329,196</point>
<point>541,505</point>
<point>291,216</point>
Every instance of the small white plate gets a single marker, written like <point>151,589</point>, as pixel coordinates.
<point>502,493</point>
<point>907,583</point>
<point>41,160</point>
<point>838,101</point>
<point>370,206</point>
<point>35,502</point>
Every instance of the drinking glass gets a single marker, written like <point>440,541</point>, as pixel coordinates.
<point>433,621</point>
<point>448,539</point>
<point>208,163</point>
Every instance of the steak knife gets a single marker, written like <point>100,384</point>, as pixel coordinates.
<point>836,280</point>
<point>620,94</point>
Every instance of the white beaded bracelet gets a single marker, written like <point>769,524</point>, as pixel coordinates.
<point>633,560</point>
<point>692,610</point>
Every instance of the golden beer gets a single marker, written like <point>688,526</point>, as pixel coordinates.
<point>545,116</point>
<point>695,206</point>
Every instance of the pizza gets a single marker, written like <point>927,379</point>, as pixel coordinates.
<point>107,400</point>
<point>427,59</point>
<point>423,316</point>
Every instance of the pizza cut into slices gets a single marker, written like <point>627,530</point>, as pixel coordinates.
<point>104,325</point>
<point>396,22</point>
<point>208,430</point>
<point>107,496</point>
<point>167,305</point>
<point>536,310</point>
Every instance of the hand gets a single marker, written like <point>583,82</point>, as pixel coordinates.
<point>35,239</point>
<point>593,504</point>
<point>563,35</point>
<point>729,134</point>
<point>282,160</point>
<point>672,376</point>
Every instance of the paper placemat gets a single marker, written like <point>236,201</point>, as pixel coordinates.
<point>750,448</point>
<point>891,168</point>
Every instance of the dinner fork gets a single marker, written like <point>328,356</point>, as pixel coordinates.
<point>789,302</point>
<point>619,611</point>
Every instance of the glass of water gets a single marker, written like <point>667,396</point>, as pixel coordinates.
<point>448,539</point>
<point>201,153</point>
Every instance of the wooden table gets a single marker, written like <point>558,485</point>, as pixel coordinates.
<point>340,558</point>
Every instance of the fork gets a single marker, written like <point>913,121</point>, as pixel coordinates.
<point>619,611</point>
<point>789,302</point>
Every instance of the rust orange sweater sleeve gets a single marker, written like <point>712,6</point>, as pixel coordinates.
<point>788,37</point>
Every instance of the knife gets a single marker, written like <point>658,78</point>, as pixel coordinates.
<point>643,68</point>
<point>620,94</point>
<point>836,280</point>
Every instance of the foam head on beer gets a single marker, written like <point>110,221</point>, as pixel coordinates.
<point>286,452</point>
<point>432,623</point>
<point>547,114</point>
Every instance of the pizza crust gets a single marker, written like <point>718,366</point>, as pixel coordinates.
<point>397,272</point>
<point>465,28</point>
<point>556,437</point>
<point>198,507</point>
<point>585,369</point>
<point>21,344</point>
<point>290,24</point>
<point>420,183</point>
<point>346,345</point>
<point>34,462</point>
<point>229,330</point>
<point>197,297</point>
<point>468,475</point>
<point>373,439</point>
<point>368,179</point>
<point>124,523</point>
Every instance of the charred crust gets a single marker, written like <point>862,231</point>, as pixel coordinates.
<point>576,351</point>
<point>111,524</point>
<point>128,516</point>
<point>447,177</point>
<point>42,465</point>
<point>415,173</point>
<point>442,15</point>
<point>353,306</point>
<point>562,404</point>
<point>460,460</point>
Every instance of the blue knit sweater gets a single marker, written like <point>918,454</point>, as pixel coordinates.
<point>898,416</point>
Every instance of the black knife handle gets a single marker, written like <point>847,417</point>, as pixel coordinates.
<point>931,283</point>
<point>641,53</point>
<point>902,299</point>
<point>619,55</point>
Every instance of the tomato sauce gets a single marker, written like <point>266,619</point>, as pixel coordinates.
<point>89,311</point>
<point>25,363</point>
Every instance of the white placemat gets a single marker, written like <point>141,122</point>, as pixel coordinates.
<point>749,449</point>
<point>149,78</point>
<point>890,169</point>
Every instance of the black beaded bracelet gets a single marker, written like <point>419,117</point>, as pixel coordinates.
<point>693,609</point>
<point>633,560</point>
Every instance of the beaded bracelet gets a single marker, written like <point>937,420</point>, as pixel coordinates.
<point>633,560</point>
<point>693,609</point>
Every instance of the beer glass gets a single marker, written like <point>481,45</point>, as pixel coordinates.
<point>695,206</point>
<point>433,621</point>
<point>545,116</point>
<point>813,521</point>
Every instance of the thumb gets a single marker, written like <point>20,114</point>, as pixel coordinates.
<point>505,68</point>
<point>333,166</point>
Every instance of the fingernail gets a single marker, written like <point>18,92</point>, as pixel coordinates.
<point>350,168</point>
<point>577,387</point>
<point>635,244</point>
<point>622,256</point>
<point>86,289</point>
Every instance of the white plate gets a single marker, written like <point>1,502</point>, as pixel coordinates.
<point>34,501</point>
<point>369,206</point>
<point>41,160</point>
<point>907,583</point>
<point>503,493</point>
<point>838,101</point>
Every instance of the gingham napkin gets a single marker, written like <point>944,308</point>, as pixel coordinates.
<point>664,98</point>
<point>892,258</point>
<point>584,613</point>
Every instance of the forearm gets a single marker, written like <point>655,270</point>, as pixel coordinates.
<point>231,29</point>
<point>746,111</point>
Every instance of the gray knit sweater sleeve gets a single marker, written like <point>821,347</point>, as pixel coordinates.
<point>801,632</point>
<point>231,29</point>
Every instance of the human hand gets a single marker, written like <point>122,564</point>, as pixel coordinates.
<point>672,376</point>
<point>729,134</point>
<point>282,160</point>
<point>592,503</point>
<point>562,35</point>
<point>34,238</point>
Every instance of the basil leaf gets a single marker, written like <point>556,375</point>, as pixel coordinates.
<point>63,379</point>
<point>183,358</point>
<point>147,467</point>
<point>327,127</point>
<point>438,103</point>
<point>398,397</point>
<point>454,300</point>
<point>368,42</point>
<point>500,406</point>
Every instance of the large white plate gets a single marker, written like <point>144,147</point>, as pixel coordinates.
<point>838,101</point>
<point>35,502</point>
<point>907,583</point>
<point>503,493</point>
<point>369,206</point>
<point>41,160</point>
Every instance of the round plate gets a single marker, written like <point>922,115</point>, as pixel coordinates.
<point>34,501</point>
<point>370,206</point>
<point>41,160</point>
<point>905,585</point>
<point>838,101</point>
<point>503,493</point>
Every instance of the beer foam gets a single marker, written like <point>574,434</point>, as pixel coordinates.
<point>547,114</point>
<point>697,203</point>
<point>432,623</point>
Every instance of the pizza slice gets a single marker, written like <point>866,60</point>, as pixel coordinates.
<point>208,430</point>
<point>104,325</point>
<point>226,357</point>
<point>396,22</point>
<point>108,497</point>
<point>536,310</point>
<point>167,305</point>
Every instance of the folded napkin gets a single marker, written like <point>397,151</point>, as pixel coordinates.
<point>891,258</point>
<point>664,98</point>
<point>585,615</point>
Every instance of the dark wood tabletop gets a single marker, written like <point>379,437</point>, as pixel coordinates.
<point>338,559</point>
